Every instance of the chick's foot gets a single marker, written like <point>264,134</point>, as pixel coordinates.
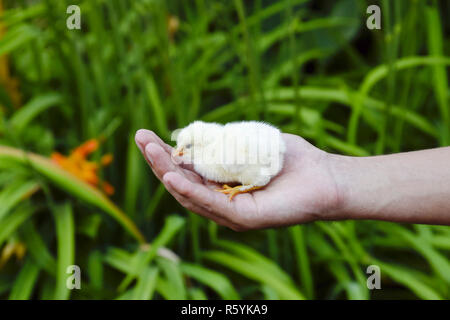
<point>232,191</point>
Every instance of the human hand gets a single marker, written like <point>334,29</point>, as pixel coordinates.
<point>304,191</point>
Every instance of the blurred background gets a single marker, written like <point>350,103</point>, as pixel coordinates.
<point>74,189</point>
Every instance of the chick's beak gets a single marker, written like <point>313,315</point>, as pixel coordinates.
<point>179,151</point>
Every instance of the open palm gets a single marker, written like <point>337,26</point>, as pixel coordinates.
<point>303,191</point>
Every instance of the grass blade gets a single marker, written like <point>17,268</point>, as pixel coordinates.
<point>213,279</point>
<point>65,232</point>
<point>303,263</point>
<point>25,281</point>
<point>34,107</point>
<point>14,194</point>
<point>146,284</point>
<point>13,221</point>
<point>440,80</point>
<point>254,271</point>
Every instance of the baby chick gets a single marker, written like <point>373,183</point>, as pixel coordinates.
<point>249,152</point>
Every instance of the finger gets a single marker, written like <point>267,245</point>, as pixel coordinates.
<point>144,137</point>
<point>159,159</point>
<point>200,195</point>
<point>187,166</point>
<point>212,185</point>
<point>173,180</point>
<point>185,202</point>
<point>161,163</point>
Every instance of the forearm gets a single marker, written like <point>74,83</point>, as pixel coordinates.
<point>411,187</point>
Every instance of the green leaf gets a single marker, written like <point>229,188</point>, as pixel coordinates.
<point>14,221</point>
<point>213,279</point>
<point>437,261</point>
<point>89,225</point>
<point>146,284</point>
<point>14,194</point>
<point>440,80</point>
<point>66,248</point>
<point>379,73</point>
<point>134,170</point>
<point>18,15</point>
<point>404,276</point>
<point>119,259</point>
<point>269,293</point>
<point>172,225</point>
<point>174,277</point>
<point>345,97</point>
<point>257,272</point>
<point>252,255</point>
<point>17,37</point>
<point>302,257</point>
<point>25,281</point>
<point>157,107</point>
<point>37,248</point>
<point>95,270</point>
<point>197,294</point>
<point>34,107</point>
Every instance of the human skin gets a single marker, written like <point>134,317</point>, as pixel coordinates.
<point>411,187</point>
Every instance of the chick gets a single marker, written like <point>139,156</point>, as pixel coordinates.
<point>249,152</point>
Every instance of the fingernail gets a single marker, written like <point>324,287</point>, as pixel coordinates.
<point>139,136</point>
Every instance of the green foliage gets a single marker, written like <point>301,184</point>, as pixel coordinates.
<point>311,68</point>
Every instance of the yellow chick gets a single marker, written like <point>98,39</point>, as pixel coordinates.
<point>249,152</point>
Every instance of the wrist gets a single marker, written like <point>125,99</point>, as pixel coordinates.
<point>360,187</point>
<point>341,169</point>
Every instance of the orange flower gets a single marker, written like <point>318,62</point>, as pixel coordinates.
<point>77,164</point>
<point>106,159</point>
<point>86,148</point>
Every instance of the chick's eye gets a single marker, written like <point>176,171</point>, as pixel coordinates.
<point>189,145</point>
